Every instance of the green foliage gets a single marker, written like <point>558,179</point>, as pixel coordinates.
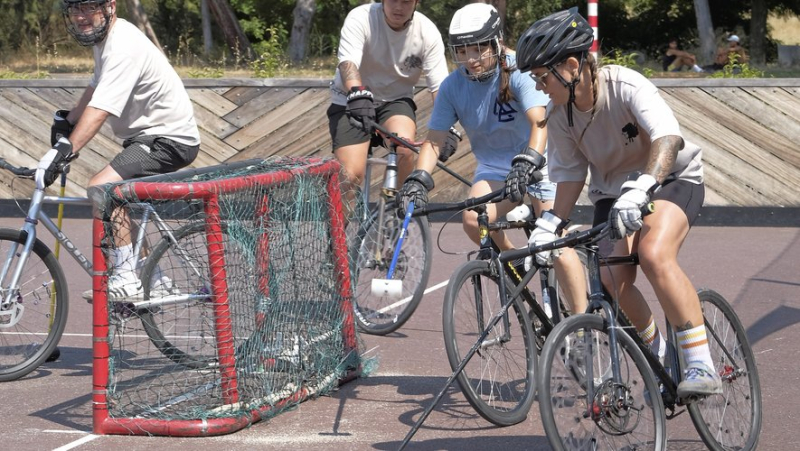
<point>271,54</point>
<point>629,60</point>
<point>207,72</point>
<point>734,69</point>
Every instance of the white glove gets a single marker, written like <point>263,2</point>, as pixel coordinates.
<point>53,162</point>
<point>626,213</point>
<point>546,231</point>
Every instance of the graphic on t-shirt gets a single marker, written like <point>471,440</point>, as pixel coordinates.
<point>504,111</point>
<point>412,62</point>
<point>631,131</point>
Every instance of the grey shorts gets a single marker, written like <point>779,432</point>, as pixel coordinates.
<point>151,155</point>
<point>343,133</point>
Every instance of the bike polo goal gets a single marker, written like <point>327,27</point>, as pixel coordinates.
<point>246,306</point>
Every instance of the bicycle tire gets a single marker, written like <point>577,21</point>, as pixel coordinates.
<point>570,420</point>
<point>471,299</point>
<point>731,420</point>
<point>382,315</point>
<point>184,331</point>
<point>46,307</point>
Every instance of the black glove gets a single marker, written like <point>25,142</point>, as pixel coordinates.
<point>61,127</point>
<point>54,162</point>
<point>524,171</point>
<point>450,145</point>
<point>361,105</point>
<point>415,188</point>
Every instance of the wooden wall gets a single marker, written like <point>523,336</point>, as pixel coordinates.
<point>749,130</point>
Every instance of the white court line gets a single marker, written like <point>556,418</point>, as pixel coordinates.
<point>406,300</point>
<point>77,443</point>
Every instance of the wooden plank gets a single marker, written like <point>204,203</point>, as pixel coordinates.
<point>212,123</point>
<point>733,133</point>
<point>780,99</point>
<point>264,103</point>
<point>216,149</point>
<point>285,115</point>
<point>212,101</point>
<point>243,94</point>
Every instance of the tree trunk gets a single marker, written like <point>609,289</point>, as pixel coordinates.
<point>301,29</point>
<point>139,18</point>
<point>229,25</point>
<point>705,30</point>
<point>758,33</point>
<point>206,23</point>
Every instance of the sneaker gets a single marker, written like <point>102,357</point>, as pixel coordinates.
<point>699,380</point>
<point>163,287</point>
<point>124,286</point>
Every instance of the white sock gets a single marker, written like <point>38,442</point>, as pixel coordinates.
<point>652,337</point>
<point>694,346</point>
<point>697,68</point>
<point>124,260</point>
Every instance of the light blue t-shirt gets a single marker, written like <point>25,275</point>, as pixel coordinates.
<point>496,131</point>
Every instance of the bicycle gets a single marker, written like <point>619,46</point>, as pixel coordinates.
<point>602,389</point>
<point>34,291</point>
<point>476,321</point>
<point>374,233</point>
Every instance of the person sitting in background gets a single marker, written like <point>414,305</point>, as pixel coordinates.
<point>724,53</point>
<point>675,58</point>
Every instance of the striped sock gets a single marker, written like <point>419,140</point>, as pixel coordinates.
<point>652,337</point>
<point>694,346</point>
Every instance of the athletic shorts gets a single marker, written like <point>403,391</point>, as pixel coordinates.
<point>686,195</point>
<point>343,133</point>
<point>151,155</point>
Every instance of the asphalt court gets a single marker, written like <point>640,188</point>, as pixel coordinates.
<point>755,268</point>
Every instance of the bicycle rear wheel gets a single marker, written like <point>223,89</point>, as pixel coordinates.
<point>31,327</point>
<point>372,253</point>
<point>183,327</point>
<point>498,381</point>
<point>603,414</point>
<point>731,420</point>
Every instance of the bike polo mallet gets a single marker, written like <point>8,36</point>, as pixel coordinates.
<point>389,286</point>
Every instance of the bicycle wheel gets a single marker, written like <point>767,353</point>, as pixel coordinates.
<point>177,271</point>
<point>372,253</point>
<point>731,420</point>
<point>498,381</point>
<point>603,414</point>
<point>31,326</point>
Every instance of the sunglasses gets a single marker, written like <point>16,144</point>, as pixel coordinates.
<point>539,79</point>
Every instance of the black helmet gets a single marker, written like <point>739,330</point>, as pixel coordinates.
<point>552,39</point>
<point>476,24</point>
<point>74,9</point>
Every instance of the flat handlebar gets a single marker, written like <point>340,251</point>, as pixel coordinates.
<point>20,171</point>
<point>571,240</point>
<point>495,196</point>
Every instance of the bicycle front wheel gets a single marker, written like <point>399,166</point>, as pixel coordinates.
<point>498,380</point>
<point>177,273</point>
<point>373,253</point>
<point>732,420</point>
<point>31,326</point>
<point>582,406</point>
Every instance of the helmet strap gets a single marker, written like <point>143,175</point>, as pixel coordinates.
<point>571,85</point>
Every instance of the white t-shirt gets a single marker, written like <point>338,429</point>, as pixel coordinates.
<point>390,62</point>
<point>630,114</point>
<point>140,90</point>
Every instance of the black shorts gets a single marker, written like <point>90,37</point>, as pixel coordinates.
<point>345,134</point>
<point>151,155</point>
<point>686,195</point>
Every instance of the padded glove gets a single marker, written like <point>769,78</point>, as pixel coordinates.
<point>61,127</point>
<point>54,162</point>
<point>361,105</point>
<point>524,171</point>
<point>625,217</point>
<point>415,188</point>
<point>548,229</point>
<point>450,145</point>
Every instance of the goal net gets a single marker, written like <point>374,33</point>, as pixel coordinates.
<point>245,307</point>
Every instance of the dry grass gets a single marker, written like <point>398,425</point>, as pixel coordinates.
<point>786,30</point>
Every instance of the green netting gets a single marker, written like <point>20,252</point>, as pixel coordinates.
<point>243,305</point>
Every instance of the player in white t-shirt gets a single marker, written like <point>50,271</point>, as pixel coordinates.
<point>384,50</point>
<point>499,109</point>
<point>135,90</point>
<point>612,124</point>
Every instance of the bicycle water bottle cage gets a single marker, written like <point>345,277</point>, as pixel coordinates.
<point>9,318</point>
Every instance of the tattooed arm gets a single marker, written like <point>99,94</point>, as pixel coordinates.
<point>663,153</point>
<point>350,75</point>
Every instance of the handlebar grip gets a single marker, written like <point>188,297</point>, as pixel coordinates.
<point>649,208</point>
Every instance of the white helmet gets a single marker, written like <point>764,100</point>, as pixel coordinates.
<point>476,24</point>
